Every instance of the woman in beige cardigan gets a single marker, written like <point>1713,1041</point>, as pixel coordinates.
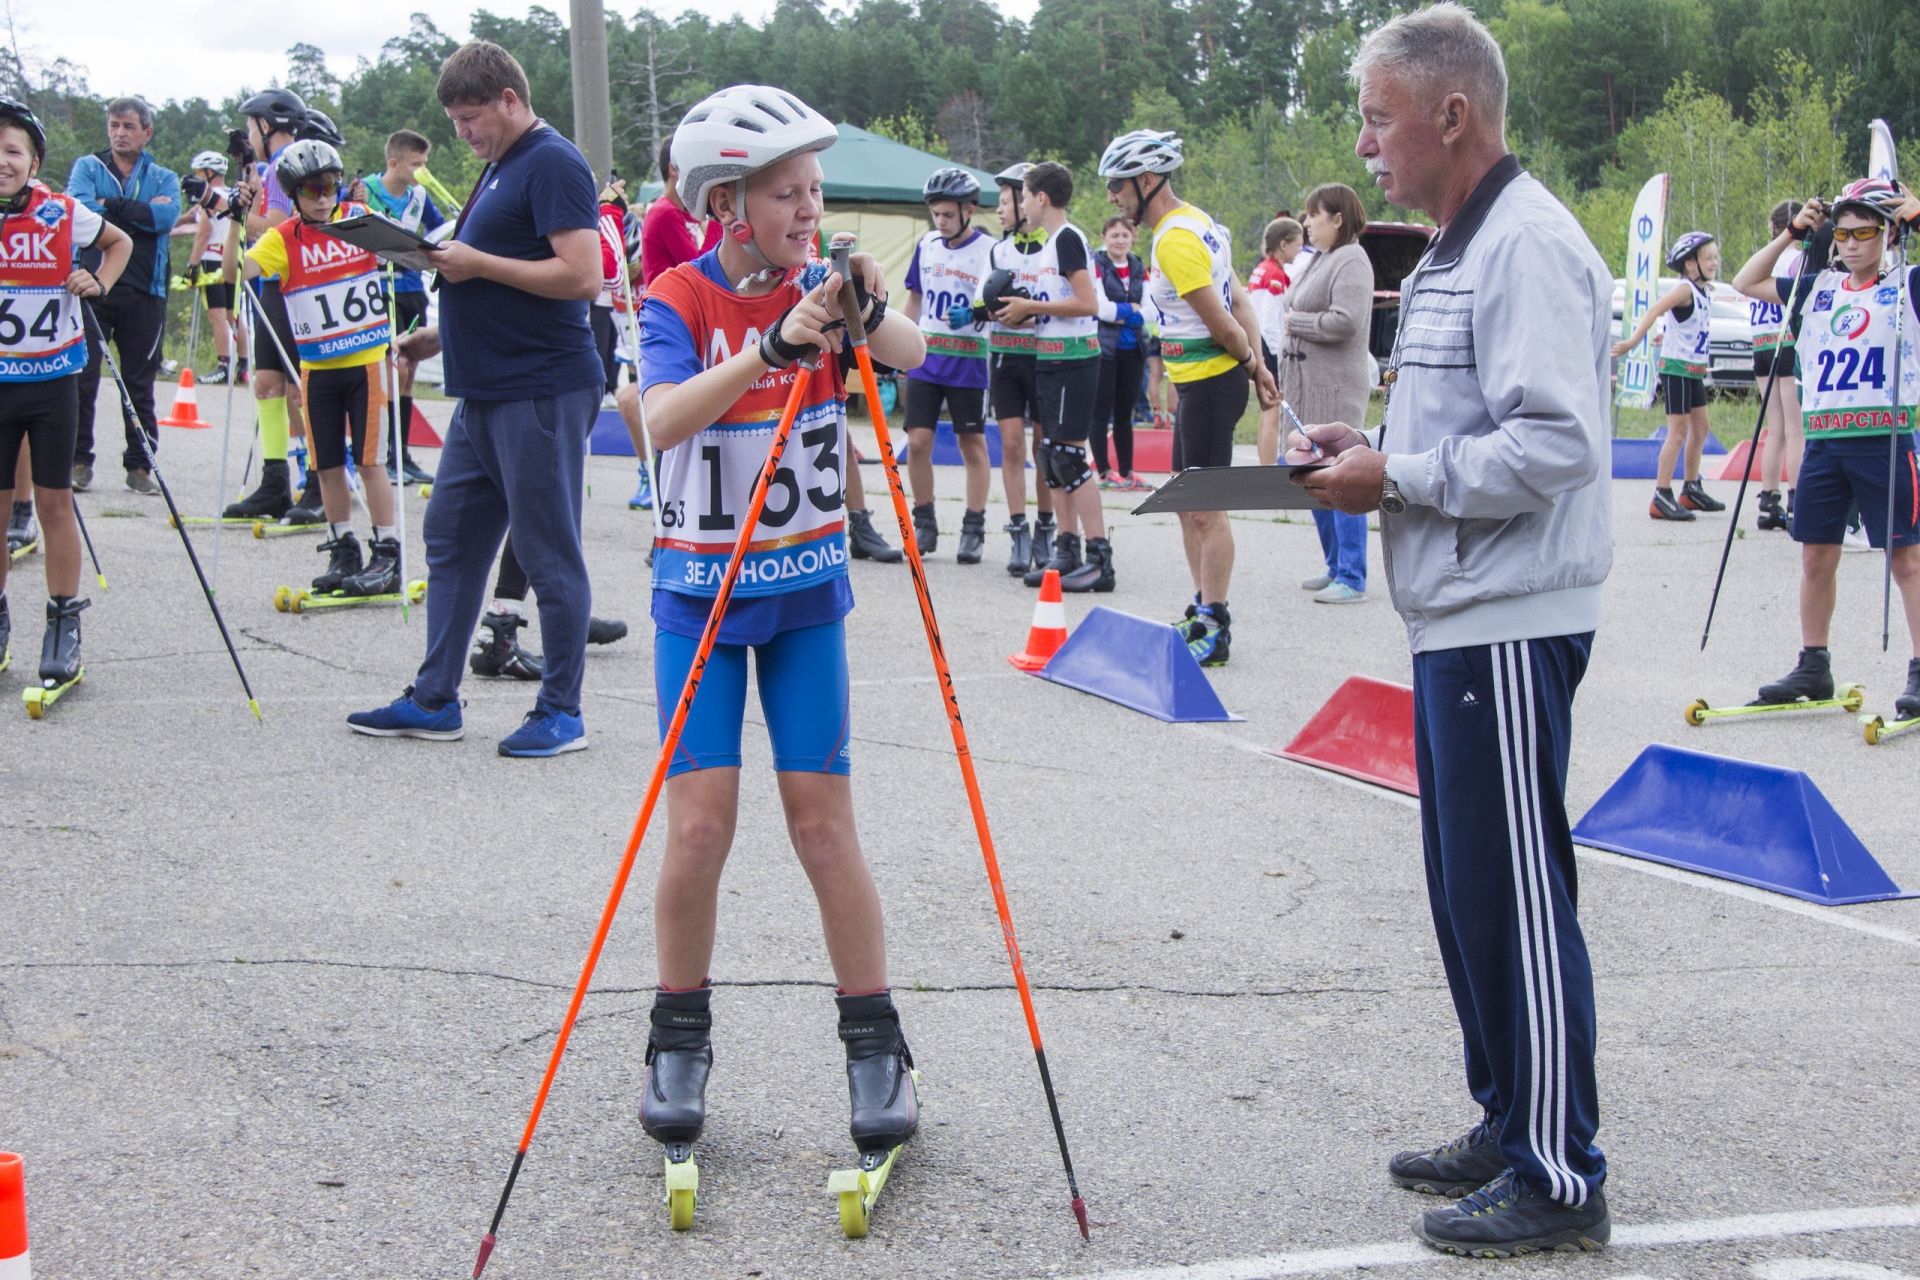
<point>1323,364</point>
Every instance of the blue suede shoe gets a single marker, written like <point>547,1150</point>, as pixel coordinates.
<point>545,733</point>
<point>405,718</point>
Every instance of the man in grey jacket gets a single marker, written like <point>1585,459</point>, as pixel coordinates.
<point>1490,473</point>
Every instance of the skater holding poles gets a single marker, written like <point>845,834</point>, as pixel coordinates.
<point>1860,384</point>
<point>43,349</point>
<point>1490,474</point>
<point>748,156</point>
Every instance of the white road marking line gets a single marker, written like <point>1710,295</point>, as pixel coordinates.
<point>1838,917</point>
<point>1356,1258</point>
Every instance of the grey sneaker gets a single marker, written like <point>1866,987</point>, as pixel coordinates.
<point>82,476</point>
<point>1338,593</point>
<point>1454,1168</point>
<point>1318,582</point>
<point>140,480</point>
<point>1507,1218</point>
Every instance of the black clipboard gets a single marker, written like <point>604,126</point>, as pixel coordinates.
<point>1233,489</point>
<point>385,239</point>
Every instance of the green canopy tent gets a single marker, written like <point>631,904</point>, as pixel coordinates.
<point>872,189</point>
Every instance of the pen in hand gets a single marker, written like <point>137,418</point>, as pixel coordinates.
<point>1301,427</point>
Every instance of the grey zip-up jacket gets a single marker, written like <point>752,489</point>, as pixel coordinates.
<point>1497,427</point>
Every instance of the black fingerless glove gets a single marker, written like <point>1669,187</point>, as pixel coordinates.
<point>776,350</point>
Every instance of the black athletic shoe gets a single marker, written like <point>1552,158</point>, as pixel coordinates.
<point>1020,554</point>
<point>1811,678</point>
<point>605,630</point>
<point>1772,514</point>
<point>343,562</point>
<point>973,537</point>
<point>271,500</point>
<point>381,577</point>
<point>1665,507</point>
<point>1907,705</point>
<point>926,530</point>
<point>497,650</point>
<point>1454,1168</point>
<point>1694,495</point>
<point>1044,532</point>
<point>1065,558</point>
<point>308,509</point>
<point>1097,573</point>
<point>1507,1218</point>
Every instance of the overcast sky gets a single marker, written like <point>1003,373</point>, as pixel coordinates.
<point>197,48</point>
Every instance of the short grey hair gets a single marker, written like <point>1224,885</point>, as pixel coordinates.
<point>132,107</point>
<point>1446,49</point>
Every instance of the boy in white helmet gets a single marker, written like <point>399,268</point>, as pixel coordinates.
<point>721,337</point>
<point>1860,384</point>
<point>1210,341</point>
<point>208,217</point>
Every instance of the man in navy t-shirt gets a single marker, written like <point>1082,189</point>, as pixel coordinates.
<point>515,282</point>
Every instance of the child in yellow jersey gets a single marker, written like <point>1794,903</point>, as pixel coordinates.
<point>338,313</point>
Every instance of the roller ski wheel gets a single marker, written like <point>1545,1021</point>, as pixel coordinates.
<point>682,1195</point>
<point>1879,729</point>
<point>40,698</point>
<point>856,1191</point>
<point>426,491</point>
<point>1846,697</point>
<point>283,598</point>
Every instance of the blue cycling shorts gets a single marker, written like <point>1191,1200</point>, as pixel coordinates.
<point>802,676</point>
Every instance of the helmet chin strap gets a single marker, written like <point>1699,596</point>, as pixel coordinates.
<point>1145,197</point>
<point>18,200</point>
<point>743,236</point>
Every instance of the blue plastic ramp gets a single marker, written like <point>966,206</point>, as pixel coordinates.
<point>946,446</point>
<point>1752,823</point>
<point>1141,664</point>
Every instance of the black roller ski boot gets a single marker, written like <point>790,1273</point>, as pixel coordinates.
<point>1810,680</point>
<point>1907,705</point>
<point>1666,507</point>
<point>497,650</point>
<point>23,534</point>
<point>1020,554</point>
<point>865,543</point>
<point>1694,495</point>
<point>271,500</point>
<point>673,1100</point>
<point>973,537</point>
<point>882,1086</point>
<point>381,577</point>
<point>926,530</point>
<point>60,667</point>
<point>1065,558</point>
<point>308,509</point>
<point>1044,532</point>
<point>343,562</point>
<point>1097,573</point>
<point>1772,514</point>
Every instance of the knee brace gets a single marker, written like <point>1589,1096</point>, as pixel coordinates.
<point>1065,464</point>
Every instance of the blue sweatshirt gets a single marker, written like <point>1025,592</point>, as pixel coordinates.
<point>145,206</point>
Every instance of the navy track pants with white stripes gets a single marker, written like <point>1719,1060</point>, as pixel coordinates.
<point>1492,728</point>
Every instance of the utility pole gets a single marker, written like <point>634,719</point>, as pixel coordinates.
<point>592,104</point>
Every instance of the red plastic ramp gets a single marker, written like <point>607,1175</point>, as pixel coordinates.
<point>1745,461</point>
<point>420,432</point>
<point>1365,731</point>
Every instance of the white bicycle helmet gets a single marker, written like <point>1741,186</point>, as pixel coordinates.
<point>1142,151</point>
<point>303,160</point>
<point>209,160</point>
<point>740,131</point>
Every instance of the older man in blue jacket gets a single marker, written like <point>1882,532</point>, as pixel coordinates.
<point>124,185</point>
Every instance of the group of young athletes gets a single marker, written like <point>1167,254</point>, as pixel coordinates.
<point>1834,324</point>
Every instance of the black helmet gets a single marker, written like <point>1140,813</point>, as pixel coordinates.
<point>951,183</point>
<point>13,111</point>
<point>282,109</point>
<point>319,127</point>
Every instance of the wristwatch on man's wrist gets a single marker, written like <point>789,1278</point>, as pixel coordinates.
<point>1392,501</point>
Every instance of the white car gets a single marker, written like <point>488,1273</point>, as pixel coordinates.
<point>1730,334</point>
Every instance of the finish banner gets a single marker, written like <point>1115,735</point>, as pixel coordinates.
<point>1634,372</point>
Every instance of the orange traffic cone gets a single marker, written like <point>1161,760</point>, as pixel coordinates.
<point>14,1263</point>
<point>1049,630</point>
<point>186,405</point>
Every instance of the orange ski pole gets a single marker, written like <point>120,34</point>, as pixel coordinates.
<point>802,379</point>
<point>842,250</point>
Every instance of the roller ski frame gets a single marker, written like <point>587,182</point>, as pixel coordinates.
<point>207,522</point>
<point>1847,697</point>
<point>857,1190</point>
<point>1878,729</point>
<point>41,697</point>
<point>25,549</point>
<point>304,600</point>
<point>280,528</point>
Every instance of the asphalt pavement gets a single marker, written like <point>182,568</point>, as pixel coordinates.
<point>275,998</point>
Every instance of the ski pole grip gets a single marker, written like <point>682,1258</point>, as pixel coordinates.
<point>840,251</point>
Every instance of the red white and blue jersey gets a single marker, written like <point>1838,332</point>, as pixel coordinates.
<point>336,302</point>
<point>693,322</point>
<point>42,336</point>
